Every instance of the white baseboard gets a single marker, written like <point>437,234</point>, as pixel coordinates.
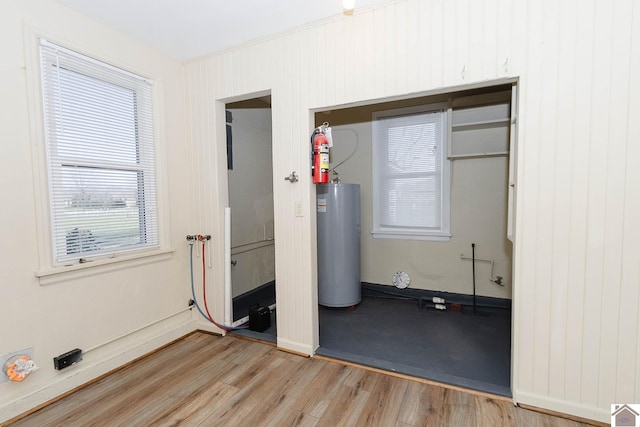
<point>295,347</point>
<point>571,408</point>
<point>207,326</point>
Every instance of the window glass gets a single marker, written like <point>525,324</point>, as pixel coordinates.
<point>99,137</point>
<point>411,185</point>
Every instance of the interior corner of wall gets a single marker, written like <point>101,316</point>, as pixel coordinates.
<point>201,325</point>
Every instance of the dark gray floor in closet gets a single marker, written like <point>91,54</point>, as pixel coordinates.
<point>463,349</point>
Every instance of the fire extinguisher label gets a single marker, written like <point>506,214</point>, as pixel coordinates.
<point>324,162</point>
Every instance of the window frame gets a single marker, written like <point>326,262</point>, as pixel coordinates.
<point>47,271</point>
<point>379,231</point>
<point>79,73</point>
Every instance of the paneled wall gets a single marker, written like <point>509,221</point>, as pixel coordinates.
<point>576,274</point>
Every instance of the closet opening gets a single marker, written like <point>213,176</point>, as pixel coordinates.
<point>251,249</point>
<point>426,289</point>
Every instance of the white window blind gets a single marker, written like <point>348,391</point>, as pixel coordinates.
<point>100,148</point>
<point>411,179</point>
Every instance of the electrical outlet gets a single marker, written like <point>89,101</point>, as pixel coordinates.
<point>298,208</point>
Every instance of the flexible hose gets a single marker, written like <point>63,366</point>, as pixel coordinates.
<point>206,315</point>
<point>193,291</point>
<point>354,149</point>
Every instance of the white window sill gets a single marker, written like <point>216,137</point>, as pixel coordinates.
<point>412,235</point>
<point>100,266</point>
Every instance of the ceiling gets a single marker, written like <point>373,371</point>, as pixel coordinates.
<point>187,29</point>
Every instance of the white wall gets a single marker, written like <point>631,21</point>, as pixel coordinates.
<point>82,312</point>
<point>576,278</point>
<point>251,200</point>
<point>478,213</point>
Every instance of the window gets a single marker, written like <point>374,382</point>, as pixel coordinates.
<point>100,156</point>
<point>411,174</point>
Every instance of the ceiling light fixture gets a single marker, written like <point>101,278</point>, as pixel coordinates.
<point>347,6</point>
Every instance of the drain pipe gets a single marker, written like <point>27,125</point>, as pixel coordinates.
<point>473,264</point>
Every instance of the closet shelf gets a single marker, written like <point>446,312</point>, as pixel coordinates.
<point>481,124</point>
<point>477,155</point>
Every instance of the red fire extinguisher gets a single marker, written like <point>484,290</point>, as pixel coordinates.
<point>319,156</point>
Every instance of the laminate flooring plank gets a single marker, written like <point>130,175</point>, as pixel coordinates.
<point>215,371</point>
<point>298,419</point>
<point>189,387</point>
<point>271,402</point>
<point>243,351</point>
<point>269,412</point>
<point>143,398</point>
<point>250,367</point>
<point>198,408</point>
<point>207,380</point>
<point>385,402</point>
<point>269,374</point>
<point>322,388</point>
<point>302,375</point>
<point>363,379</point>
<point>422,405</point>
<point>345,407</point>
<point>528,418</point>
<point>458,409</point>
<point>494,413</point>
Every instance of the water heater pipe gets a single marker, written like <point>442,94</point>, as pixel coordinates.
<point>227,267</point>
<point>497,280</point>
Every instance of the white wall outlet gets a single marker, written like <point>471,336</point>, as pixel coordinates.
<point>298,208</point>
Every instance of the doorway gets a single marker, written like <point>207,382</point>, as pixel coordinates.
<point>250,189</point>
<point>398,327</point>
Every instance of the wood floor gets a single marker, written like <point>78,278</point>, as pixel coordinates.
<point>206,380</point>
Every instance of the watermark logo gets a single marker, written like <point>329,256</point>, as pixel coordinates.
<point>625,415</point>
